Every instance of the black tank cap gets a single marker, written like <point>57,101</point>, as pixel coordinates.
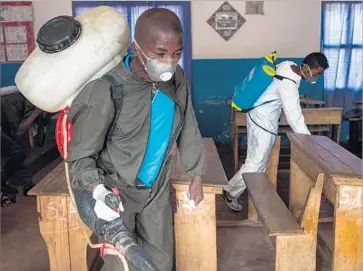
<point>58,34</point>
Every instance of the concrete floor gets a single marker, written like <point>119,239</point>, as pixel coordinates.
<point>23,249</point>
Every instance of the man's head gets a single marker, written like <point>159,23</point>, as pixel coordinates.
<point>158,42</point>
<point>314,65</point>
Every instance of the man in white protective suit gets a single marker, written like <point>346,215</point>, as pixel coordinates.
<point>263,119</point>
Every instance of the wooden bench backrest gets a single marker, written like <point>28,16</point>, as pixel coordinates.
<point>55,182</point>
<point>312,116</point>
<point>327,155</point>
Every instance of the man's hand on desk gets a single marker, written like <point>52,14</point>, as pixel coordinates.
<point>196,190</point>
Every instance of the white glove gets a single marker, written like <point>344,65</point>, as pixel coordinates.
<point>108,204</point>
<point>188,203</point>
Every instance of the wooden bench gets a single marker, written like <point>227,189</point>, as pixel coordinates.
<point>253,219</point>
<point>315,155</point>
<point>295,242</point>
<point>317,119</point>
<point>195,232</point>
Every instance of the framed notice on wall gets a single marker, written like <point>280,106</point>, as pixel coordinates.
<point>16,33</point>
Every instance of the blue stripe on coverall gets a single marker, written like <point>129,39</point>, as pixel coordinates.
<point>161,123</point>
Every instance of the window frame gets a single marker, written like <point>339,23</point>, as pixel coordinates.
<point>348,47</point>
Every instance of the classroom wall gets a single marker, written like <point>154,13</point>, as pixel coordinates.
<point>292,28</point>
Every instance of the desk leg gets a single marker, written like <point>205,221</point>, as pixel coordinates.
<point>61,230</point>
<point>347,254</point>
<point>77,240</point>
<point>195,233</point>
<point>235,149</point>
<point>300,185</point>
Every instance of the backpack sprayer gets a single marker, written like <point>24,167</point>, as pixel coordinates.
<point>255,83</point>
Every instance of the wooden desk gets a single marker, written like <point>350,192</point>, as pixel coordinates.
<point>195,232</point>
<point>312,116</point>
<point>59,223</point>
<point>312,155</point>
<point>305,102</point>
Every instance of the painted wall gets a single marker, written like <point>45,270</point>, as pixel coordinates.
<point>45,10</point>
<point>292,28</point>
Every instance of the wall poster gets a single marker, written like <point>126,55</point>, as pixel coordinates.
<point>226,21</point>
<point>254,8</point>
<point>16,31</point>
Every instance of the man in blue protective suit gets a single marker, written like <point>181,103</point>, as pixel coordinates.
<point>262,120</point>
<point>156,113</point>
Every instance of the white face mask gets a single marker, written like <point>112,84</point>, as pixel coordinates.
<point>311,79</point>
<point>159,69</point>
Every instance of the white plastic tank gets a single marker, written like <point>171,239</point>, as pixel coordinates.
<point>70,53</point>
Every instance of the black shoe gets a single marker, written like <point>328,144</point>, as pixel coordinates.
<point>7,199</point>
<point>26,189</point>
<point>231,202</point>
<point>7,189</point>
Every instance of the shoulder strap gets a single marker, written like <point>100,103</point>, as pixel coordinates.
<point>249,109</point>
<point>118,99</point>
<point>280,77</point>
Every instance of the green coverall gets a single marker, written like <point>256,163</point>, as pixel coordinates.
<point>116,162</point>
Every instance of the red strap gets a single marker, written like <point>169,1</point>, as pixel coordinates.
<point>60,133</point>
<point>103,250</point>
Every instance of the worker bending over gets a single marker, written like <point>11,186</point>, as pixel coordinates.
<point>156,112</point>
<point>263,119</point>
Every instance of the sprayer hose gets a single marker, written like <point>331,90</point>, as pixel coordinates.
<point>108,249</point>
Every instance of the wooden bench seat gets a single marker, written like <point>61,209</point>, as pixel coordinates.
<point>274,214</point>
<point>294,241</point>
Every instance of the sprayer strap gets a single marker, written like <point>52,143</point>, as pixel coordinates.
<point>272,133</point>
<point>280,77</point>
<point>249,109</point>
<point>117,95</point>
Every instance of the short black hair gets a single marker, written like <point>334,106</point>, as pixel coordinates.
<point>316,60</point>
<point>157,19</point>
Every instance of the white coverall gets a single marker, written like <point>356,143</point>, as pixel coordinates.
<point>285,94</point>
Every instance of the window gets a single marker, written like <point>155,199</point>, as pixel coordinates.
<point>342,44</point>
<point>132,10</point>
